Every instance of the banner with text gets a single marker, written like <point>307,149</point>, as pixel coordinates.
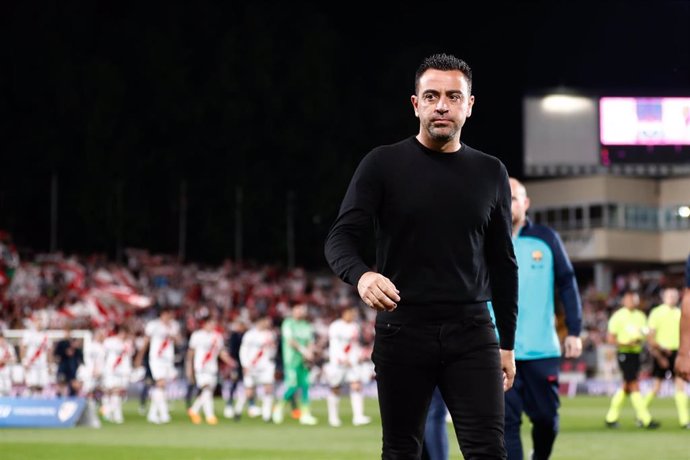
<point>40,412</point>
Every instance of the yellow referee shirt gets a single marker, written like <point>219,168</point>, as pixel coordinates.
<point>628,326</point>
<point>665,320</point>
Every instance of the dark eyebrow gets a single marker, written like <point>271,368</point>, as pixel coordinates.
<point>433,91</point>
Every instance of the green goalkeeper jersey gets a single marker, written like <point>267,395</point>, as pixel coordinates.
<point>300,331</point>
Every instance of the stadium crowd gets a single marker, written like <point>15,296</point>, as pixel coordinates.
<point>67,293</point>
<point>62,292</point>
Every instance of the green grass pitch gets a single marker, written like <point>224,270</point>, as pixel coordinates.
<point>583,436</point>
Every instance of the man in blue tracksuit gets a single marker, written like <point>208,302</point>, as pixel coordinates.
<point>543,269</point>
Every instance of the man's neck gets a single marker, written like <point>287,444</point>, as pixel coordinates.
<point>517,227</point>
<point>449,146</point>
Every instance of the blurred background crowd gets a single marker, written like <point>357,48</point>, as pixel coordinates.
<point>68,292</point>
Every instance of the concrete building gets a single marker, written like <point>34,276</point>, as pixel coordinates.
<point>617,207</point>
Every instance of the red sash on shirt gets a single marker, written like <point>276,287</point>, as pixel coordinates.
<point>163,346</point>
<point>120,357</point>
<point>258,356</point>
<point>38,351</point>
<point>211,351</point>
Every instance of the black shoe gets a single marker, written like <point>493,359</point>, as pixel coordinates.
<point>613,424</point>
<point>652,425</point>
<point>685,427</point>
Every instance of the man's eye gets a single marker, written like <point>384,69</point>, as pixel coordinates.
<point>429,97</point>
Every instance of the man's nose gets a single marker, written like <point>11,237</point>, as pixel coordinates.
<point>442,105</point>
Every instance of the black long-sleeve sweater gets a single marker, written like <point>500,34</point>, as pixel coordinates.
<point>443,230</point>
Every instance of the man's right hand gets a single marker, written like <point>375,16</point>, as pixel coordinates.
<point>683,365</point>
<point>508,366</point>
<point>378,292</point>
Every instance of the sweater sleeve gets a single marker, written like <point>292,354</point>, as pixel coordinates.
<point>566,283</point>
<point>502,264</point>
<point>343,246</point>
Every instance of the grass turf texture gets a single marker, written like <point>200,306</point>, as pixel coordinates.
<point>583,436</point>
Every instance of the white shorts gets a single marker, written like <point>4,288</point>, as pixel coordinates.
<point>336,374</point>
<point>88,381</point>
<point>163,370</point>
<point>264,375</point>
<point>206,379</point>
<point>367,371</point>
<point>115,381</point>
<point>37,376</point>
<point>5,381</point>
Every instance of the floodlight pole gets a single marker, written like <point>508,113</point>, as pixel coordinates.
<point>238,223</point>
<point>182,242</point>
<point>53,211</point>
<point>290,233</point>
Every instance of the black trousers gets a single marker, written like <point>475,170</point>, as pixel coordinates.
<point>459,355</point>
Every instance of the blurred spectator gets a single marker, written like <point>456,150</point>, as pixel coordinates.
<point>69,356</point>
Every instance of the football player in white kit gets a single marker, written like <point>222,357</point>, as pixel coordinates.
<point>35,352</point>
<point>8,358</point>
<point>258,357</point>
<point>345,357</point>
<point>119,350</point>
<point>90,371</point>
<point>90,375</point>
<point>161,336</point>
<point>206,345</point>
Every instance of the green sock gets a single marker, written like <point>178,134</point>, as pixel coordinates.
<point>648,398</point>
<point>682,407</point>
<point>641,411</point>
<point>615,409</point>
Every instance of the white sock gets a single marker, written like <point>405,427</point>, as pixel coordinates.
<point>332,401</point>
<point>357,402</point>
<point>105,404</point>
<point>198,402</point>
<point>158,407</point>
<point>153,404</point>
<point>165,413</point>
<point>239,405</point>
<point>267,406</point>
<point>116,407</point>
<point>207,398</point>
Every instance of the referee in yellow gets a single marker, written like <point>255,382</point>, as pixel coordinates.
<point>627,329</point>
<point>663,339</point>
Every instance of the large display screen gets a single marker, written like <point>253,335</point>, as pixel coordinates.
<point>644,129</point>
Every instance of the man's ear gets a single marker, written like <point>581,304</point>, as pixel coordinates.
<point>469,106</point>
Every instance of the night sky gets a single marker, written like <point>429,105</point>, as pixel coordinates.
<point>127,105</point>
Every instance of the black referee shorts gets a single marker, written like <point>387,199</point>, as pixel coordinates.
<point>629,364</point>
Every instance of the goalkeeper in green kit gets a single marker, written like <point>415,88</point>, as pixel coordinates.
<point>297,336</point>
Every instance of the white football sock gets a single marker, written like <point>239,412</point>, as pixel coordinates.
<point>267,406</point>
<point>357,402</point>
<point>207,398</point>
<point>332,401</point>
